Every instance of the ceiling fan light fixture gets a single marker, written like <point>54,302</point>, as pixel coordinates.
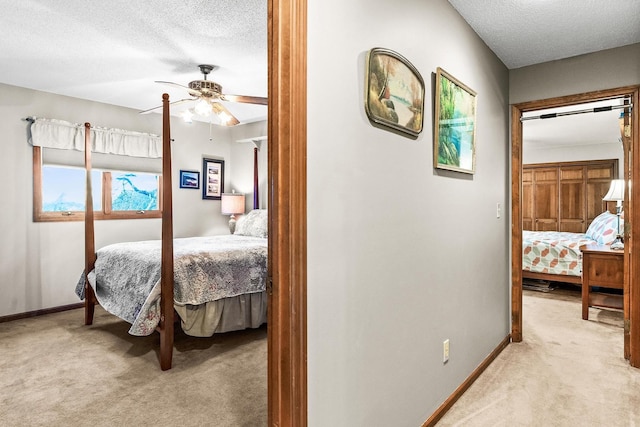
<point>187,116</point>
<point>224,117</point>
<point>203,108</point>
<point>207,94</point>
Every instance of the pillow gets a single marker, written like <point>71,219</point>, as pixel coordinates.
<point>253,224</point>
<point>604,228</point>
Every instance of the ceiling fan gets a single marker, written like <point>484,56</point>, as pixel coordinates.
<point>207,93</point>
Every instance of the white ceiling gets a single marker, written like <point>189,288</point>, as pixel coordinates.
<point>113,51</point>
<point>526,32</point>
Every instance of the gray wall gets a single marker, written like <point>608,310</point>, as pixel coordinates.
<point>606,69</point>
<point>400,256</point>
<point>243,138</point>
<point>40,263</point>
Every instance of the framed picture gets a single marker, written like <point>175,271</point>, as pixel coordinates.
<point>189,179</point>
<point>394,92</point>
<point>454,125</point>
<point>213,179</point>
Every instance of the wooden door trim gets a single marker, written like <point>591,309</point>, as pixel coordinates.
<point>287,136</point>
<point>632,258</point>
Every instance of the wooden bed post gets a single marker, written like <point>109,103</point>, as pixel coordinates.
<point>166,269</point>
<point>89,233</point>
<point>256,197</point>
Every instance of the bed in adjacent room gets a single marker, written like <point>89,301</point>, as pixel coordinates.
<point>555,256</point>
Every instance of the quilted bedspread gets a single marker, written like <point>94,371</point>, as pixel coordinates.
<point>126,278</point>
<point>553,252</point>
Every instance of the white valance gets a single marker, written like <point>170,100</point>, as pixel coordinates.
<point>59,134</point>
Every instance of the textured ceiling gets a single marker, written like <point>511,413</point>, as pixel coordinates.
<point>526,32</point>
<point>113,51</point>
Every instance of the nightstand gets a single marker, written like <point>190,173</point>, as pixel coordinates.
<point>603,267</point>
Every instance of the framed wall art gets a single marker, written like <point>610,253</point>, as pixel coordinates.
<point>394,92</point>
<point>454,125</point>
<point>189,179</point>
<point>213,179</point>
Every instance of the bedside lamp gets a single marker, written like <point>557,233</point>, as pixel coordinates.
<point>232,204</point>
<point>616,194</point>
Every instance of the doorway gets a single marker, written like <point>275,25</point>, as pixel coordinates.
<point>287,181</point>
<point>631,172</point>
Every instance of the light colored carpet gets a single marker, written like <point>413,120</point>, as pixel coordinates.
<point>55,371</point>
<point>566,372</point>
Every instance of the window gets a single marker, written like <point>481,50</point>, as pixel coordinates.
<point>59,192</point>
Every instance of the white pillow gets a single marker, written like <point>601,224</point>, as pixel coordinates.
<point>255,224</point>
<point>604,228</point>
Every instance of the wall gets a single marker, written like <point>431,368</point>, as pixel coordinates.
<point>574,153</point>
<point>606,69</point>
<point>40,263</point>
<point>244,140</point>
<point>400,256</point>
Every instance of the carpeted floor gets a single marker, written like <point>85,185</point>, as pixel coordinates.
<point>566,372</point>
<point>55,371</point>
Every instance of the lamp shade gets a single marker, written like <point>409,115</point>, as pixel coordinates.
<point>232,203</point>
<point>616,191</point>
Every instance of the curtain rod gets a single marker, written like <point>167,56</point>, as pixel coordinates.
<point>571,113</point>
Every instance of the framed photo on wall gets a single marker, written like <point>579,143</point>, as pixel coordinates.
<point>213,179</point>
<point>454,125</point>
<point>189,179</point>
<point>394,97</point>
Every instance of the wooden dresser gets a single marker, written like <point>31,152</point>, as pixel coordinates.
<point>601,267</point>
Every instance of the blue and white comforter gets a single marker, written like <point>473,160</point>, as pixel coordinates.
<point>126,278</point>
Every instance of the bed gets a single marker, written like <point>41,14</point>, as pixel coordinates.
<point>210,284</point>
<point>555,256</point>
<point>219,281</point>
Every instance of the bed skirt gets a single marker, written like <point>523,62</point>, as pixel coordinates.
<point>223,315</point>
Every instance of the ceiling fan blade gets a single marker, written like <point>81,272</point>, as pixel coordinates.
<point>246,99</point>
<point>180,101</point>
<point>192,92</point>
<point>224,115</point>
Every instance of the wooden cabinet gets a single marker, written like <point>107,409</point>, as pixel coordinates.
<point>565,196</point>
<point>602,267</point>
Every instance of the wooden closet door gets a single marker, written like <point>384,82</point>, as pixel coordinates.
<point>545,203</point>
<point>599,178</point>
<point>572,199</point>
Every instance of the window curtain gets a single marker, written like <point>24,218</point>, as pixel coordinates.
<point>59,134</point>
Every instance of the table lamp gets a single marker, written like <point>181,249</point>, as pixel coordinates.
<point>616,194</point>
<point>232,204</point>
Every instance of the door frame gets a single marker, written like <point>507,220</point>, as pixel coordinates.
<point>632,211</point>
<point>287,180</point>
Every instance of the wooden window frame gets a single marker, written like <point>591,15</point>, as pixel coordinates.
<point>105,214</point>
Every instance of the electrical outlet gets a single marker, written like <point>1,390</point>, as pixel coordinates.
<point>499,211</point>
<point>445,351</point>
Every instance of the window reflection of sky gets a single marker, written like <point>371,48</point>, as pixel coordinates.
<point>63,189</point>
<point>65,186</point>
<point>134,191</point>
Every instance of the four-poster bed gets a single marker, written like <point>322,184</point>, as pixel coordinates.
<point>210,284</point>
